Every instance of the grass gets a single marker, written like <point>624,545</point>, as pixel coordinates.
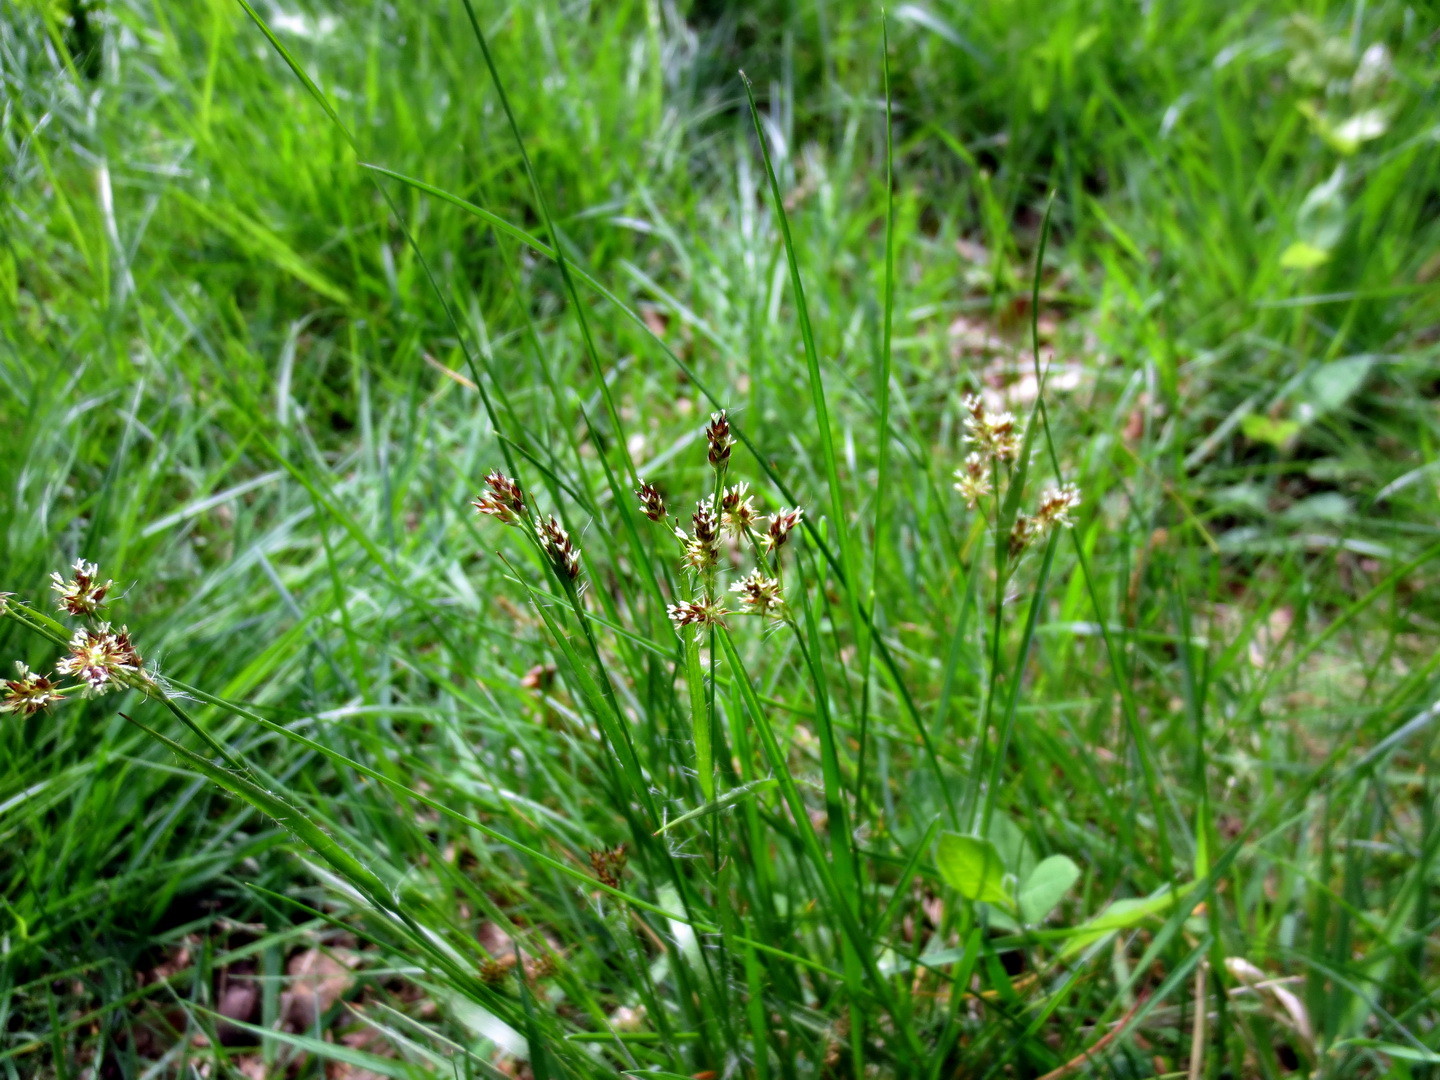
<point>268,323</point>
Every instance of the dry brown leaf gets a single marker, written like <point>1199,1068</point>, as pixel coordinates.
<point>319,979</point>
<point>1291,1010</point>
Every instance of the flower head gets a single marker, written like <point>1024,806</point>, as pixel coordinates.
<point>996,434</point>
<point>97,656</point>
<point>125,649</point>
<point>84,593</point>
<point>1022,534</point>
<point>738,508</point>
<point>1055,506</point>
<point>493,971</point>
<point>717,433</point>
<point>782,525</point>
<point>609,864</point>
<point>505,502</point>
<point>28,693</point>
<point>702,546</point>
<point>697,613</point>
<point>559,548</point>
<point>972,479</point>
<point>652,504</point>
<point>759,594</point>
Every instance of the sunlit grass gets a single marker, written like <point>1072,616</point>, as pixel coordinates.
<point>273,310</point>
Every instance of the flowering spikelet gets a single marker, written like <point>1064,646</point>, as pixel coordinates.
<point>28,692</point>
<point>738,509</point>
<point>994,433</point>
<point>609,864</point>
<point>1055,506</point>
<point>697,613</point>
<point>972,479</point>
<point>84,594</point>
<point>98,656</point>
<point>702,547</point>
<point>1022,534</point>
<point>652,504</point>
<point>717,433</point>
<point>494,971</point>
<point>759,594</point>
<point>781,526</point>
<point>557,544</point>
<point>505,502</point>
<point>125,650</point>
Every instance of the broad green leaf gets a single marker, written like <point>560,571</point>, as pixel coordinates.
<point>972,867</point>
<point>1046,886</point>
<point>1016,854</point>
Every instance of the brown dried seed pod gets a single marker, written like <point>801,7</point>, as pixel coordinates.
<point>505,501</point>
<point>652,503</point>
<point>717,434</point>
<point>561,550</point>
<point>608,864</point>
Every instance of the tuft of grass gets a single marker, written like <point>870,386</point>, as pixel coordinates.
<point>280,287</point>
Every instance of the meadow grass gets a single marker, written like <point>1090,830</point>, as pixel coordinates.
<point>1150,795</point>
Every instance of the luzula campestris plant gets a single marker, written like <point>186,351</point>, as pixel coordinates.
<point>991,480</point>
<point>992,465</point>
<point>100,658</point>
<point>729,510</point>
<point>504,500</point>
<point>705,558</point>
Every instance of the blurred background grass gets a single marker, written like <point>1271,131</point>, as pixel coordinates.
<point>223,364</point>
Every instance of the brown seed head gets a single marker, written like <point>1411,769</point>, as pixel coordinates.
<point>28,693</point>
<point>609,864</point>
<point>697,613</point>
<point>84,593</point>
<point>759,595</point>
<point>652,504</point>
<point>557,544</point>
<point>97,657</point>
<point>1055,506</point>
<point>972,479</point>
<point>781,526</point>
<point>702,546</point>
<point>996,434</point>
<point>125,650</point>
<point>717,433</point>
<point>494,971</point>
<point>1022,534</point>
<point>505,502</point>
<point>738,508</point>
<point>705,521</point>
